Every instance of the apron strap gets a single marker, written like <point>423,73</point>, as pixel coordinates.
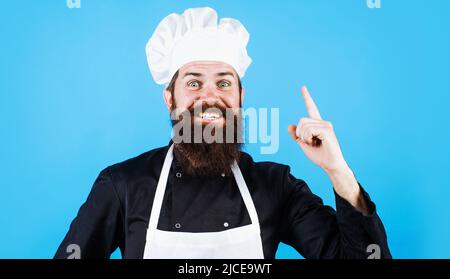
<point>245,194</point>
<point>160,189</point>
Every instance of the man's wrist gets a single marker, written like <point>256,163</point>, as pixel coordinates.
<point>345,184</point>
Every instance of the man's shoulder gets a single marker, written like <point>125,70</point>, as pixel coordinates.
<point>262,168</point>
<point>142,164</point>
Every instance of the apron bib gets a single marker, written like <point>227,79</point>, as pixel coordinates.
<point>237,243</point>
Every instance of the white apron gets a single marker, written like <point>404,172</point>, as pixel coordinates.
<point>237,243</point>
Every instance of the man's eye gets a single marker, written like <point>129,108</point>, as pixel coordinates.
<point>193,84</point>
<point>224,83</point>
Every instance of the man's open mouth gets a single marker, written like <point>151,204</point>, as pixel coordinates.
<point>209,115</point>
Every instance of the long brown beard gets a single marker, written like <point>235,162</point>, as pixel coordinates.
<point>209,159</point>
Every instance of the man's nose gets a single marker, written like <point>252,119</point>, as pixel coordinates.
<point>209,94</point>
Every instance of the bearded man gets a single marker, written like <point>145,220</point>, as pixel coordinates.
<point>201,196</point>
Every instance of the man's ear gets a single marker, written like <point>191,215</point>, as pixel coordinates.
<point>242,95</point>
<point>168,99</point>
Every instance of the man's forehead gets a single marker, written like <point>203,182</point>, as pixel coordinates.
<point>207,68</point>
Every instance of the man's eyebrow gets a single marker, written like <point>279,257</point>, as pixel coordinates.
<point>221,74</point>
<point>192,74</point>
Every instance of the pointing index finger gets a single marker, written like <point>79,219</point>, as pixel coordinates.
<point>311,107</point>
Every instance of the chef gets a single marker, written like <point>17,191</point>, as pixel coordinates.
<point>201,199</point>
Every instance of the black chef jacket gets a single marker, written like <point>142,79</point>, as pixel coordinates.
<point>117,211</point>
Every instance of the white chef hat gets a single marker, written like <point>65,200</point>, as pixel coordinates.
<point>196,36</point>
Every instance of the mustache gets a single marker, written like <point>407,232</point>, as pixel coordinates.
<point>194,110</point>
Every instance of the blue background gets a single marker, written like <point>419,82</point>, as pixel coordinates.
<point>76,95</point>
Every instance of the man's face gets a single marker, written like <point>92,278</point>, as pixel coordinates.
<point>205,83</point>
<point>209,93</point>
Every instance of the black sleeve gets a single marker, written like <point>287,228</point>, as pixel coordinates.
<point>318,231</point>
<point>98,227</point>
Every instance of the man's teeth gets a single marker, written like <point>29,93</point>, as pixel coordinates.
<point>209,115</point>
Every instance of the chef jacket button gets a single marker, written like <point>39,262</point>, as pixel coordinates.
<point>178,174</point>
<point>177,225</point>
<point>226,224</point>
